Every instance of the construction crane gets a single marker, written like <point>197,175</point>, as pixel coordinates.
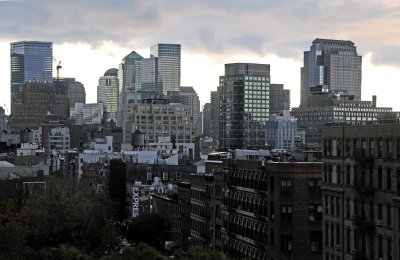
<point>58,67</point>
<point>8,112</point>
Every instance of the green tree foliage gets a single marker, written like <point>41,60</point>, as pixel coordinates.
<point>149,229</point>
<point>142,251</point>
<point>64,252</point>
<point>200,253</point>
<point>70,214</point>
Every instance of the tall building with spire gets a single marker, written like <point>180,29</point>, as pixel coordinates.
<point>129,72</point>
<point>331,66</point>
<point>30,61</point>
<point>129,77</point>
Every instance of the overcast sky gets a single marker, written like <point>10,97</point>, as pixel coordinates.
<point>91,36</point>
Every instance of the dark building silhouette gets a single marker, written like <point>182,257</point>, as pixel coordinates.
<point>72,88</point>
<point>279,99</point>
<point>361,185</point>
<point>37,103</point>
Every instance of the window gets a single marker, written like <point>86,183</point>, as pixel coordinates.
<point>316,241</point>
<point>348,175</point>
<point>389,149</point>
<point>371,148</point>
<point>286,186</point>
<point>388,179</point>
<point>272,184</point>
<point>380,148</point>
<point>315,212</point>
<point>286,213</point>
<point>314,185</point>
<point>165,176</point>
<point>286,243</point>
<point>379,178</point>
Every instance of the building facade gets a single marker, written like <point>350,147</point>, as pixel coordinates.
<point>37,103</point>
<point>158,118</point>
<point>361,185</point>
<point>129,72</point>
<point>168,66</point>
<point>72,88</point>
<point>332,65</point>
<point>129,77</point>
<point>329,108</point>
<point>87,114</point>
<point>214,98</point>
<point>272,210</point>
<point>30,61</point>
<point>279,99</point>
<point>59,140</point>
<point>207,120</point>
<point>108,92</point>
<point>281,130</point>
<point>244,105</point>
<point>188,97</point>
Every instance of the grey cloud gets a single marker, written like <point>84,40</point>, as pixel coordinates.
<point>285,28</point>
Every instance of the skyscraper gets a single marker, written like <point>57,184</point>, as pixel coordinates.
<point>107,92</point>
<point>30,61</point>
<point>129,72</point>
<point>168,65</point>
<point>279,99</point>
<point>207,119</point>
<point>244,105</point>
<point>149,76</point>
<point>188,96</point>
<point>331,65</point>
<point>72,88</point>
<point>214,98</point>
<point>129,77</point>
<point>36,103</point>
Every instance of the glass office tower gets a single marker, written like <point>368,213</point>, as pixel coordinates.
<point>168,66</point>
<point>30,61</point>
<point>244,105</point>
<point>331,65</point>
<point>108,92</point>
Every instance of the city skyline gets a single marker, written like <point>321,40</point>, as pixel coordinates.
<point>208,41</point>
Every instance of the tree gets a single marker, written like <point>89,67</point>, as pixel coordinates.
<point>149,229</point>
<point>142,251</point>
<point>200,253</point>
<point>69,214</point>
<point>64,252</point>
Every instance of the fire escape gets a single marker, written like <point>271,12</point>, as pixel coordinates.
<point>364,220</point>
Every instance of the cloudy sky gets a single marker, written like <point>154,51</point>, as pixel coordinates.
<point>91,36</point>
